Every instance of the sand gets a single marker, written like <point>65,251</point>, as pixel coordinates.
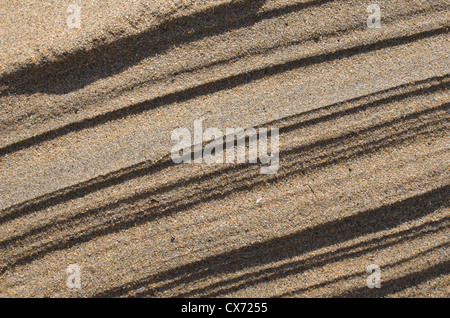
<point>86,176</point>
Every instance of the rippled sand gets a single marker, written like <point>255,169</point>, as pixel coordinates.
<point>86,176</point>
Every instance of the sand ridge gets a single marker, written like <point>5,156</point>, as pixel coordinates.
<point>87,179</point>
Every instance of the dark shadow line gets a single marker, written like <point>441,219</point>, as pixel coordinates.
<point>399,284</point>
<point>65,74</point>
<point>213,87</point>
<point>411,85</point>
<point>138,219</point>
<point>84,188</point>
<point>149,167</point>
<point>295,267</point>
<point>354,134</point>
<point>144,217</point>
<point>358,274</point>
<point>314,238</point>
<point>363,107</point>
<point>257,52</point>
<point>237,171</point>
<point>252,52</point>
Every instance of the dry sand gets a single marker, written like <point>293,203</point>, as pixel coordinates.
<point>86,178</point>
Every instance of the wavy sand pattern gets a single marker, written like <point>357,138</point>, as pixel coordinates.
<point>86,177</point>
